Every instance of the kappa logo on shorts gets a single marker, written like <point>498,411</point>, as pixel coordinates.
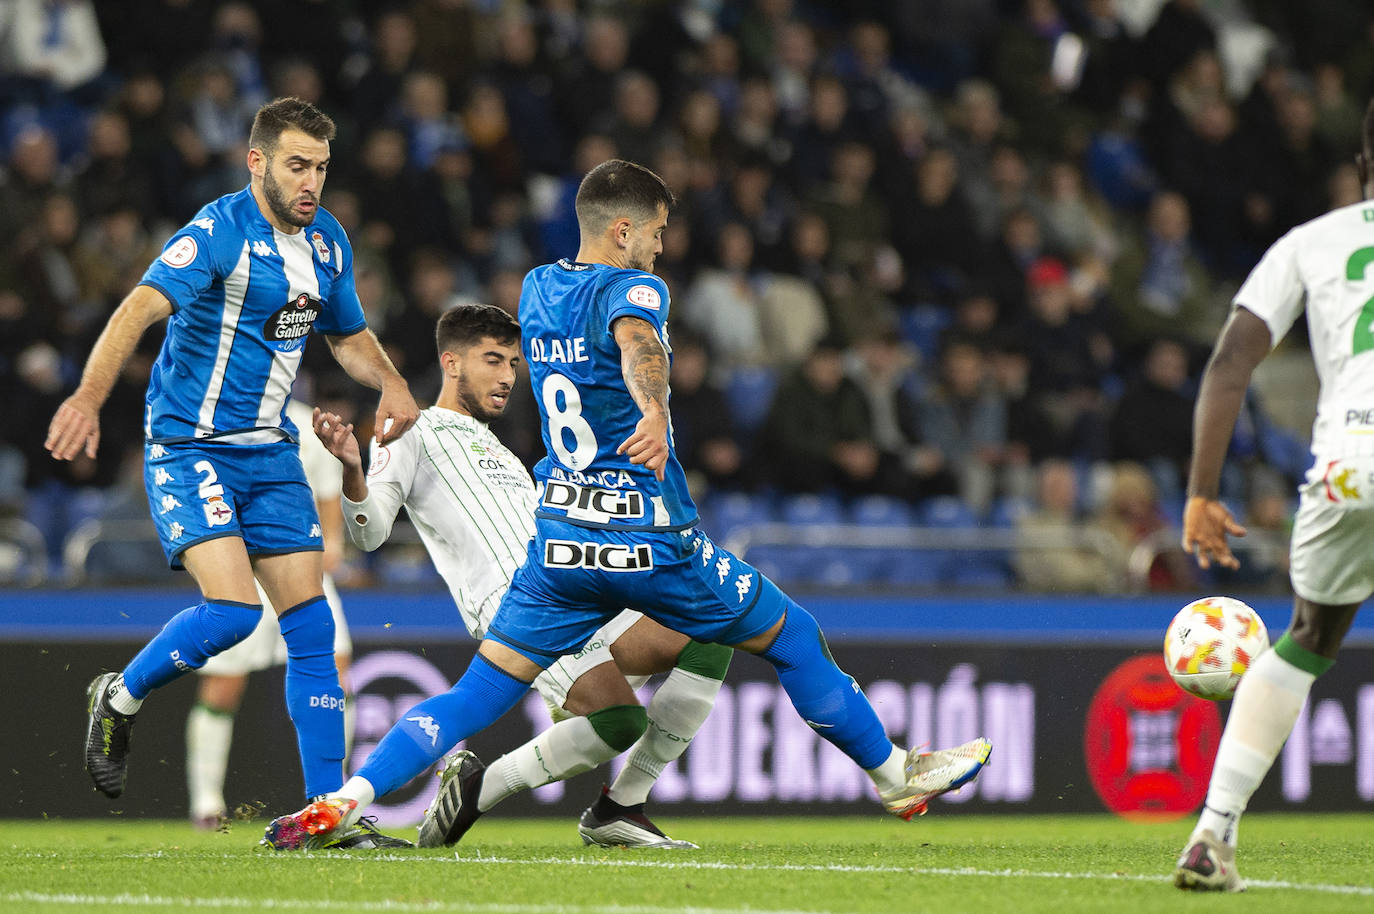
<point>604,556</point>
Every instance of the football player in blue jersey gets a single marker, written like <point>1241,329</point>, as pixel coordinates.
<point>615,527</point>
<point>241,286</point>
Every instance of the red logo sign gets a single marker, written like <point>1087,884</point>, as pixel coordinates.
<point>1149,746</point>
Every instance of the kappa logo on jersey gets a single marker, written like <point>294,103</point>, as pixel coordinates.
<point>161,477</point>
<point>315,530</point>
<point>644,297</point>
<point>321,248</point>
<point>263,249</point>
<point>605,556</point>
<point>169,503</point>
<point>588,503</point>
<point>207,224</point>
<point>157,451</point>
<point>290,325</point>
<point>181,252</point>
<point>175,531</point>
<point>217,513</point>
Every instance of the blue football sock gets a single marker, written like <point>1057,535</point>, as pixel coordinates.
<point>430,729</point>
<point>314,698</point>
<point>190,638</point>
<point>826,697</point>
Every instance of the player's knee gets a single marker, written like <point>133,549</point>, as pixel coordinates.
<point>225,624</point>
<point>708,660</point>
<point>619,726</point>
<point>799,638</point>
<point>308,629</point>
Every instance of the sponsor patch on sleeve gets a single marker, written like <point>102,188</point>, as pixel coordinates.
<point>182,251</point>
<point>380,458</point>
<point>644,297</point>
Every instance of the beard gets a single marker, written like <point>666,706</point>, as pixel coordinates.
<point>278,204</point>
<point>477,407</point>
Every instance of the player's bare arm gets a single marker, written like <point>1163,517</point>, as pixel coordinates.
<point>337,438</point>
<point>1243,344</point>
<point>76,424</point>
<point>362,357</point>
<point>644,365</point>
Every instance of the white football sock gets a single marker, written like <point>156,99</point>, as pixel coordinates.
<point>1266,706</point>
<point>359,789</point>
<point>567,748</point>
<point>208,736</point>
<point>891,774</point>
<point>120,699</point>
<point>676,712</point>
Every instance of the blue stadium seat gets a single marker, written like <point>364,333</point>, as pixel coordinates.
<point>881,511</point>
<point>946,511</point>
<point>724,513</point>
<point>1008,510</point>
<point>810,509</point>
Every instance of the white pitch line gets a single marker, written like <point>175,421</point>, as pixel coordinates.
<point>290,904</point>
<point>621,861</point>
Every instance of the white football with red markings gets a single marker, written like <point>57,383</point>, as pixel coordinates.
<point>1211,643</point>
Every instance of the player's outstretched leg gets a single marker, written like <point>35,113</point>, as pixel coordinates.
<point>831,703</point>
<point>567,748</point>
<point>419,739</point>
<point>107,738</point>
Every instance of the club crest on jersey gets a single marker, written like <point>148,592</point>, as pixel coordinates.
<point>603,556</point>
<point>289,326</point>
<point>644,297</point>
<point>321,248</point>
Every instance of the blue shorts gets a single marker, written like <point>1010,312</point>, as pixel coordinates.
<point>575,578</point>
<point>201,491</point>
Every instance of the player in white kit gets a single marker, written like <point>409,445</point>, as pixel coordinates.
<point>473,504</point>
<point>1326,265</point>
<point>222,680</point>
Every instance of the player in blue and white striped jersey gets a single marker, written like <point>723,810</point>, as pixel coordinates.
<point>242,285</point>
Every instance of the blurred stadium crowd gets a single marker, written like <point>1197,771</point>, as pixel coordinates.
<point>936,263</point>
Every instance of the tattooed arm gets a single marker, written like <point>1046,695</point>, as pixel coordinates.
<point>644,365</point>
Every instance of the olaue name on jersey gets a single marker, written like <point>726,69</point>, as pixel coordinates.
<point>558,349</point>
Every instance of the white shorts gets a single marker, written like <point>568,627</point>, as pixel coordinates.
<point>554,682</point>
<point>1332,553</point>
<point>266,648</point>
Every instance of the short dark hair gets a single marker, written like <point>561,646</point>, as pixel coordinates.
<point>461,326</point>
<point>618,188</point>
<point>289,113</point>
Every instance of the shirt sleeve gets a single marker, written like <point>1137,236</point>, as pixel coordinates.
<point>343,313</point>
<point>187,267</point>
<point>390,477</point>
<point>1274,290</point>
<point>640,295</point>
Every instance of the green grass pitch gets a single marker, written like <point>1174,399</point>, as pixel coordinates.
<point>944,863</point>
